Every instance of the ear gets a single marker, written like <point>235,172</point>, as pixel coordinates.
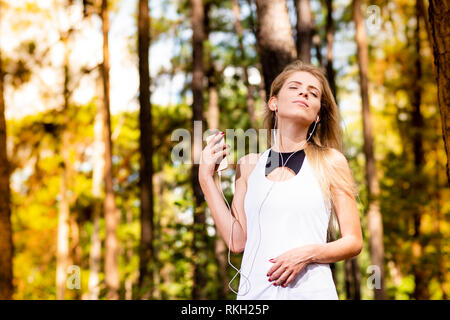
<point>273,104</point>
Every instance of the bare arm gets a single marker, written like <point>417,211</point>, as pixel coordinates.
<point>350,244</point>
<point>223,218</point>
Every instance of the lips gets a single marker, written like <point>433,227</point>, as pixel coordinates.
<point>301,102</point>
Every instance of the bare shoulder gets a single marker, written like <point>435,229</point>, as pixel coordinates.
<point>246,164</point>
<point>340,167</point>
<point>337,158</point>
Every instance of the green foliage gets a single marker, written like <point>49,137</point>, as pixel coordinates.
<point>36,163</point>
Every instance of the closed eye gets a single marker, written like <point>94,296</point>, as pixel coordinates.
<point>314,94</point>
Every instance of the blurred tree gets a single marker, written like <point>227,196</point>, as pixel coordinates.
<point>329,29</point>
<point>374,215</point>
<point>112,214</point>
<point>199,227</point>
<point>329,69</point>
<point>352,279</point>
<point>425,245</point>
<point>243,57</point>
<point>253,27</point>
<point>276,46</point>
<point>147,253</point>
<point>305,30</point>
<point>62,258</point>
<point>98,170</point>
<point>438,28</point>
<point>417,129</point>
<point>6,243</point>
<point>212,119</point>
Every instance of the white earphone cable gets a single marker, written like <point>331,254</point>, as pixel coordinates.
<point>232,221</point>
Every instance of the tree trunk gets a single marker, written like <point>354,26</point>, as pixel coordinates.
<point>352,279</point>
<point>317,43</point>
<point>159,230</point>
<point>75,246</point>
<point>6,242</point>
<point>95,253</point>
<point>147,257</point>
<point>98,168</point>
<point>348,280</point>
<point>331,74</point>
<point>62,258</point>
<point>420,275</point>
<point>442,257</point>
<point>374,217</point>
<point>304,30</point>
<point>274,36</point>
<point>199,228</point>
<point>261,87</point>
<point>438,13</point>
<point>112,215</point>
<point>220,247</point>
<point>250,88</point>
<point>426,20</point>
<point>438,36</point>
<point>128,257</point>
<point>212,118</point>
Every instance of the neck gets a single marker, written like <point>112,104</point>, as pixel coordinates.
<point>290,137</point>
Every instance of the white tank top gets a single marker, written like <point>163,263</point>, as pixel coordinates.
<point>293,215</point>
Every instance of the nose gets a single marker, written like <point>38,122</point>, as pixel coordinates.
<point>303,93</point>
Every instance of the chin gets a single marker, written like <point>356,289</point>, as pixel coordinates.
<point>300,116</point>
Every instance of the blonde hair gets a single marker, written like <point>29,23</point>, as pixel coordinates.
<point>321,149</point>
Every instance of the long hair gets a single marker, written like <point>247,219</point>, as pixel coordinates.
<point>319,148</point>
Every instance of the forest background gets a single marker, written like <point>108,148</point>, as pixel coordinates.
<point>92,205</point>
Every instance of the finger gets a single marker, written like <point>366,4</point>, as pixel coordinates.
<point>289,280</point>
<point>283,277</point>
<point>219,147</point>
<point>277,273</point>
<point>220,155</point>
<point>219,152</point>
<point>212,152</point>
<point>219,136</point>
<point>273,268</point>
<point>216,138</point>
<point>210,140</point>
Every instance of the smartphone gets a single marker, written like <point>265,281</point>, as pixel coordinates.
<point>224,163</point>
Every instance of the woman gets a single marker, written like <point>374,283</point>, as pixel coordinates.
<point>282,217</point>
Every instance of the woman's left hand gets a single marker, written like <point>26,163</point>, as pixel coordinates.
<point>289,264</point>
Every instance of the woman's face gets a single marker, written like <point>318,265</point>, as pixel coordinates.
<point>299,97</point>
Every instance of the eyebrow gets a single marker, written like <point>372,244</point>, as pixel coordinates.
<point>302,83</point>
